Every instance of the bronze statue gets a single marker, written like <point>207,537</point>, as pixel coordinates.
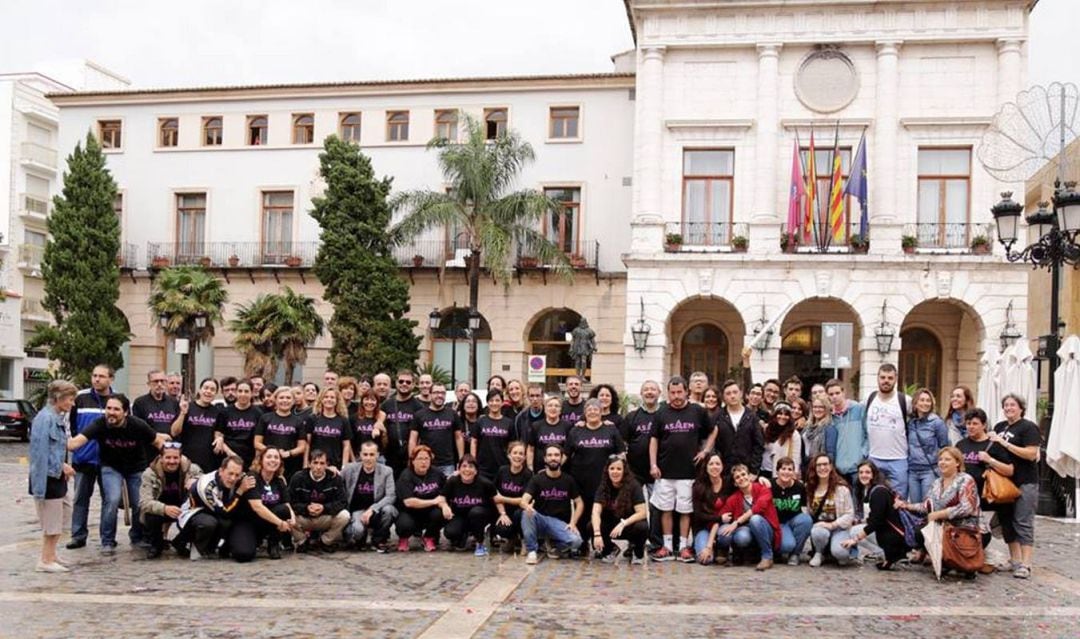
<point>582,346</point>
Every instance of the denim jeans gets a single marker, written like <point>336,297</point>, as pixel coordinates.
<point>919,484</point>
<point>756,531</point>
<point>84,492</point>
<point>535,525</point>
<point>794,533</point>
<point>112,483</point>
<point>827,542</point>
<point>897,472</point>
<point>701,540</point>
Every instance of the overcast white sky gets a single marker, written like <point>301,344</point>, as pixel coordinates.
<point>215,42</point>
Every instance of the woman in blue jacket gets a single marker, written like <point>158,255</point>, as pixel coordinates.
<point>49,470</point>
<point>927,434</point>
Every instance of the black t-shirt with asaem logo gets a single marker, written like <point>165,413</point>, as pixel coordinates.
<point>552,496</point>
<point>159,413</point>
<point>1023,433</point>
<point>463,496</point>
<point>492,436</point>
<point>173,491</point>
<point>573,413</point>
<point>198,435</point>
<point>271,493</point>
<point>362,428</point>
<point>282,433</point>
<point>543,435</point>
<point>121,447</point>
<point>237,426</point>
<point>426,486</point>
<point>363,495</point>
<point>509,484</point>
<point>328,434</point>
<point>972,466</point>
<point>636,431</point>
<point>588,450</point>
<point>437,429</point>
<point>679,433</point>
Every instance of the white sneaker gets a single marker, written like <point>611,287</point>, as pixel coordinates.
<point>531,558</point>
<point>50,567</point>
<point>793,560</point>
<point>195,554</point>
<point>815,561</point>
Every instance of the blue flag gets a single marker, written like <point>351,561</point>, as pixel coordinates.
<point>857,186</point>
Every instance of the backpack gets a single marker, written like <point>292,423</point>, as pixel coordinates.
<point>900,398</point>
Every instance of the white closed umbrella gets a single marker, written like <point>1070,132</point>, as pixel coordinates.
<point>933,539</point>
<point>1063,447</point>
<point>988,398</point>
<point>1026,381</point>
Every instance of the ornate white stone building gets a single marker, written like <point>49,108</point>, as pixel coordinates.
<point>691,135</point>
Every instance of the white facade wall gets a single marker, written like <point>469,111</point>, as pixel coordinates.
<point>931,74</point>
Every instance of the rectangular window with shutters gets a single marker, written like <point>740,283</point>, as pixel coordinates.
<point>277,222</point>
<point>212,130</point>
<point>168,132</point>
<point>495,122</point>
<point>446,121</point>
<point>109,132</point>
<point>708,196</point>
<point>397,126</point>
<point>190,226</point>
<point>349,127</point>
<point>563,227</point>
<point>944,192</point>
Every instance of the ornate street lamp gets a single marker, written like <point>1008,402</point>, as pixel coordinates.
<point>434,318</point>
<point>640,331</point>
<point>1010,333</point>
<point>884,333</point>
<point>762,343</point>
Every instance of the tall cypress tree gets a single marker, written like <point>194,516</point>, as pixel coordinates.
<point>82,278</point>
<point>369,329</point>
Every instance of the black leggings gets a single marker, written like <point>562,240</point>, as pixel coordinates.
<point>246,534</point>
<point>426,522</point>
<point>513,531</point>
<point>205,530</point>
<point>636,533</point>
<point>472,523</point>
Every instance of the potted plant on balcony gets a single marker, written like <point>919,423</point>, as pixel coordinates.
<point>577,261</point>
<point>909,243</point>
<point>789,243</point>
<point>293,261</point>
<point>417,260</point>
<point>528,261</point>
<point>205,262</point>
<point>980,245</point>
<point>858,243</point>
<point>159,261</point>
<point>234,260</point>
<point>739,244</point>
<point>673,242</point>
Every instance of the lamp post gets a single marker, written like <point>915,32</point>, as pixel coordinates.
<point>762,343</point>
<point>1054,245</point>
<point>884,334</point>
<point>640,331</point>
<point>190,327</point>
<point>474,328</point>
<point>1010,333</point>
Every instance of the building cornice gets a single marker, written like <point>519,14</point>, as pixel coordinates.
<point>347,89</point>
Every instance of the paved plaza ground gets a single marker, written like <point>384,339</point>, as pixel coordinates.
<point>449,595</point>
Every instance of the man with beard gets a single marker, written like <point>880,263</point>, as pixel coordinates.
<point>165,487</point>
<point>680,437</point>
<point>423,387</point>
<point>381,385</point>
<point>122,440</point>
<point>318,498</point>
<point>400,410</point>
<point>636,432</point>
<point>174,385</point>
<point>228,391</point>
<point>547,512</point>
<point>886,429</point>
<point>89,406</point>
<point>438,427</point>
<point>532,414</point>
<point>573,408</point>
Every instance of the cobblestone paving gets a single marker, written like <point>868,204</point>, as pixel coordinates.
<point>456,595</point>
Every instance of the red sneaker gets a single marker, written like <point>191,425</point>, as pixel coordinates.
<point>663,554</point>
<point>686,555</point>
<point>429,544</point>
<point>403,545</point>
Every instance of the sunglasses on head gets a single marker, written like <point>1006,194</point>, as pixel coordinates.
<point>175,445</point>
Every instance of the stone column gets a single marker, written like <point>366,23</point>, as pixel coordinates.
<point>885,228</point>
<point>1008,69</point>
<point>764,229</point>
<point>649,132</point>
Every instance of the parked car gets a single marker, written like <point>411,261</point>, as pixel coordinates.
<point>15,418</point>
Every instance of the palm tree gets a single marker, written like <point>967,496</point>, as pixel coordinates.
<point>186,302</point>
<point>295,325</point>
<point>253,337</point>
<point>491,217</point>
<point>276,327</point>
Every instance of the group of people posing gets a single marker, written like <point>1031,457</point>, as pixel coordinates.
<point>739,473</point>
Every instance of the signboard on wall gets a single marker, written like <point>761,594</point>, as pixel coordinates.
<point>537,368</point>
<point>836,343</point>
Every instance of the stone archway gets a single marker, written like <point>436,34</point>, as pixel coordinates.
<point>800,347</point>
<point>706,334</point>
<point>959,333</point>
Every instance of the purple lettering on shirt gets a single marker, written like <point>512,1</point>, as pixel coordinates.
<point>554,493</point>
<point>679,426</point>
<point>467,501</point>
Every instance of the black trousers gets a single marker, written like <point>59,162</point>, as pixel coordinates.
<point>426,522</point>
<point>205,530</point>
<point>513,531</point>
<point>155,529</point>
<point>472,523</point>
<point>247,534</point>
<point>636,533</point>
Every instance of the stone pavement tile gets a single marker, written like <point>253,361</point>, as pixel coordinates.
<point>136,622</point>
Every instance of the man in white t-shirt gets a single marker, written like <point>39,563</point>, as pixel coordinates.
<point>886,429</point>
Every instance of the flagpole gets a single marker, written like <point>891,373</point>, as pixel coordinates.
<point>802,167</point>
<point>832,179</point>
<point>813,204</point>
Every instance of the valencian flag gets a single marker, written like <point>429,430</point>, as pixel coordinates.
<point>836,195</point>
<point>810,216</point>
<point>798,191</point>
<point>857,186</point>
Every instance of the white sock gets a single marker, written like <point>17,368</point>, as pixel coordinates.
<point>667,542</point>
<point>684,542</point>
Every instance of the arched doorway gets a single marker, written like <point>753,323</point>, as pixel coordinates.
<point>548,337</point>
<point>706,335</point>
<point>705,348</point>
<point>940,342</point>
<point>800,347</point>
<point>920,360</point>
<point>450,345</point>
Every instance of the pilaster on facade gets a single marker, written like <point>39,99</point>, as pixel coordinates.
<point>884,140</point>
<point>648,139</point>
<point>767,138</point>
<point>1009,69</point>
